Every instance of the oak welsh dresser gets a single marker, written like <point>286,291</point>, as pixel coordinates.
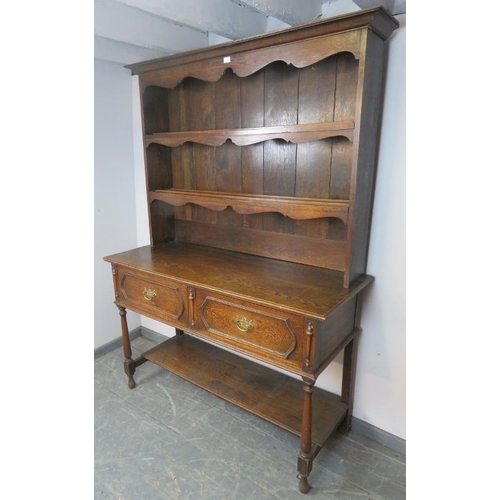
<point>260,162</point>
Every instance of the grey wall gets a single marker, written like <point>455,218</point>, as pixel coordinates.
<point>114,190</point>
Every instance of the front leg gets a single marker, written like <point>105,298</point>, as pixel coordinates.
<point>129,363</point>
<point>305,459</point>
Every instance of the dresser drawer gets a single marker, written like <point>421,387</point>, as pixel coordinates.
<point>153,296</point>
<point>252,329</point>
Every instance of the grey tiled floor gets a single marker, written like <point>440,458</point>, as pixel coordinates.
<point>168,439</point>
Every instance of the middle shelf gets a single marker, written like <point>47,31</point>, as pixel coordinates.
<point>246,204</point>
<point>247,136</point>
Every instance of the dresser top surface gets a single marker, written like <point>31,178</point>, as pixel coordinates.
<point>299,288</point>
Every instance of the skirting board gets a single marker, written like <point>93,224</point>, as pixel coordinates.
<point>114,344</point>
<point>360,426</point>
<point>380,436</point>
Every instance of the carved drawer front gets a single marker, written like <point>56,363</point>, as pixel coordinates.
<point>258,331</point>
<point>155,297</point>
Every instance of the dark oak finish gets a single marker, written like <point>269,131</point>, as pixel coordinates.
<point>129,364</point>
<point>295,208</point>
<point>247,136</point>
<point>260,390</point>
<point>365,153</point>
<point>260,167</point>
<point>379,20</point>
<point>305,456</point>
<point>288,247</point>
<point>300,289</point>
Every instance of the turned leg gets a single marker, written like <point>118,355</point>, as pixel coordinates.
<point>128,364</point>
<point>305,459</point>
<point>348,378</point>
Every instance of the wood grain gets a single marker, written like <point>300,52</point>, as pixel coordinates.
<point>376,19</point>
<point>342,150</point>
<point>293,207</point>
<point>297,134</point>
<point>158,167</point>
<point>203,118</point>
<point>297,55</point>
<point>371,72</point>
<point>175,125</point>
<point>260,390</point>
<point>274,337</point>
<point>228,157</point>
<point>281,93</point>
<point>316,104</point>
<point>252,156</point>
<point>288,247</point>
<point>297,288</point>
<point>155,110</point>
<point>250,149</point>
<point>162,227</point>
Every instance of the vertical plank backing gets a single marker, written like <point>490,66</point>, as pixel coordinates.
<point>252,157</point>
<point>228,156</point>
<point>158,164</point>
<point>186,150</point>
<point>155,109</point>
<point>342,149</point>
<point>203,118</point>
<point>159,167</point>
<point>162,222</point>
<point>280,93</point>
<point>316,104</point>
<point>177,107</point>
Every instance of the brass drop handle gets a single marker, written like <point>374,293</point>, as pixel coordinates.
<point>243,324</point>
<point>149,294</point>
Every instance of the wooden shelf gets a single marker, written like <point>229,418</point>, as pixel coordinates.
<point>267,393</point>
<point>246,136</point>
<point>246,204</point>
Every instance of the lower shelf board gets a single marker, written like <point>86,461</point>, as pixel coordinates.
<point>271,395</point>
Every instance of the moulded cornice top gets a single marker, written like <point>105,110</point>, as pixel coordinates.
<point>378,19</point>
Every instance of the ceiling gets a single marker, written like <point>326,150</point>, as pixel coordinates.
<point>129,31</point>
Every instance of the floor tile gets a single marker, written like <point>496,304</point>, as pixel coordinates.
<point>168,439</point>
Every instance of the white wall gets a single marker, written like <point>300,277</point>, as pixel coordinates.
<point>380,397</point>
<point>381,374</point>
<point>114,191</point>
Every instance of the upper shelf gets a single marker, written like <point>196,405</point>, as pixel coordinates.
<point>300,54</point>
<point>246,136</point>
<point>246,204</point>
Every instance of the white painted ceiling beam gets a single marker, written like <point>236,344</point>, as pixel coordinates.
<point>124,53</point>
<point>393,6</point>
<point>367,4</point>
<point>399,7</point>
<point>222,17</point>
<point>118,22</point>
<point>128,31</point>
<point>338,7</point>
<point>214,39</point>
<point>289,11</point>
